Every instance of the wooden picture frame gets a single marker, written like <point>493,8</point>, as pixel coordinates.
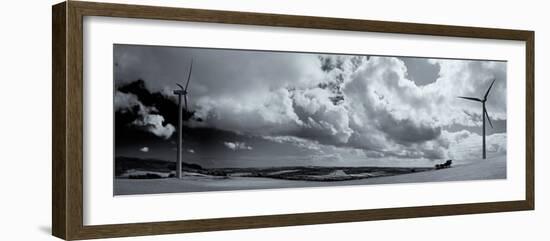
<point>67,137</point>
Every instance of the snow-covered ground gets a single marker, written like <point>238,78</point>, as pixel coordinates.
<point>492,168</point>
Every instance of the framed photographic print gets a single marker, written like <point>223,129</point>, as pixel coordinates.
<point>171,120</point>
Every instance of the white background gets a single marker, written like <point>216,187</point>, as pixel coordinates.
<point>25,122</point>
<point>101,208</point>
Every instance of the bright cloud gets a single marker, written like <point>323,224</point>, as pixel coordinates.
<point>235,146</point>
<point>154,124</point>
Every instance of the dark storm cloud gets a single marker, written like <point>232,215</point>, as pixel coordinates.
<point>377,104</point>
<point>406,131</point>
<point>145,118</point>
<point>162,65</point>
<point>232,72</point>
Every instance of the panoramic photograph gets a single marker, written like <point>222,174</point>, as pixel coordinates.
<point>190,119</point>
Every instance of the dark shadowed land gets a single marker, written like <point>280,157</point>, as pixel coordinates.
<point>136,180</point>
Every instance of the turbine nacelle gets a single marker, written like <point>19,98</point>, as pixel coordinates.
<point>485,114</point>
<point>484,97</point>
<point>182,90</point>
<point>471,98</point>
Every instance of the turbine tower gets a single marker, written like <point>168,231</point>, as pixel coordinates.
<point>484,113</point>
<point>179,93</point>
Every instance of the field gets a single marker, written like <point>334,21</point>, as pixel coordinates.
<point>131,176</point>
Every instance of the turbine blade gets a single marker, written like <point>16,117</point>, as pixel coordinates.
<point>189,75</point>
<point>185,98</point>
<point>180,86</point>
<point>487,93</point>
<point>471,98</point>
<point>489,119</point>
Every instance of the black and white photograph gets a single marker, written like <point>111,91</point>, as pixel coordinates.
<point>189,119</point>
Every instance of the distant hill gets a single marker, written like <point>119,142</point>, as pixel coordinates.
<point>153,168</point>
<point>123,164</point>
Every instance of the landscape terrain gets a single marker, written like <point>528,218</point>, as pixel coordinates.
<point>146,176</point>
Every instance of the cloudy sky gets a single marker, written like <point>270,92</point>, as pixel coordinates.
<point>261,108</point>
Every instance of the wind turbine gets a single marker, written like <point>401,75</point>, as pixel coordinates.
<point>179,93</point>
<point>484,113</point>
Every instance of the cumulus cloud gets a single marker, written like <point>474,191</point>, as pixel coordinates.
<point>145,119</point>
<point>126,102</point>
<point>144,149</point>
<point>235,146</point>
<point>465,145</point>
<point>386,107</point>
<point>469,78</point>
<point>297,141</point>
<point>320,116</point>
<point>263,114</point>
<point>313,101</point>
<point>154,124</point>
